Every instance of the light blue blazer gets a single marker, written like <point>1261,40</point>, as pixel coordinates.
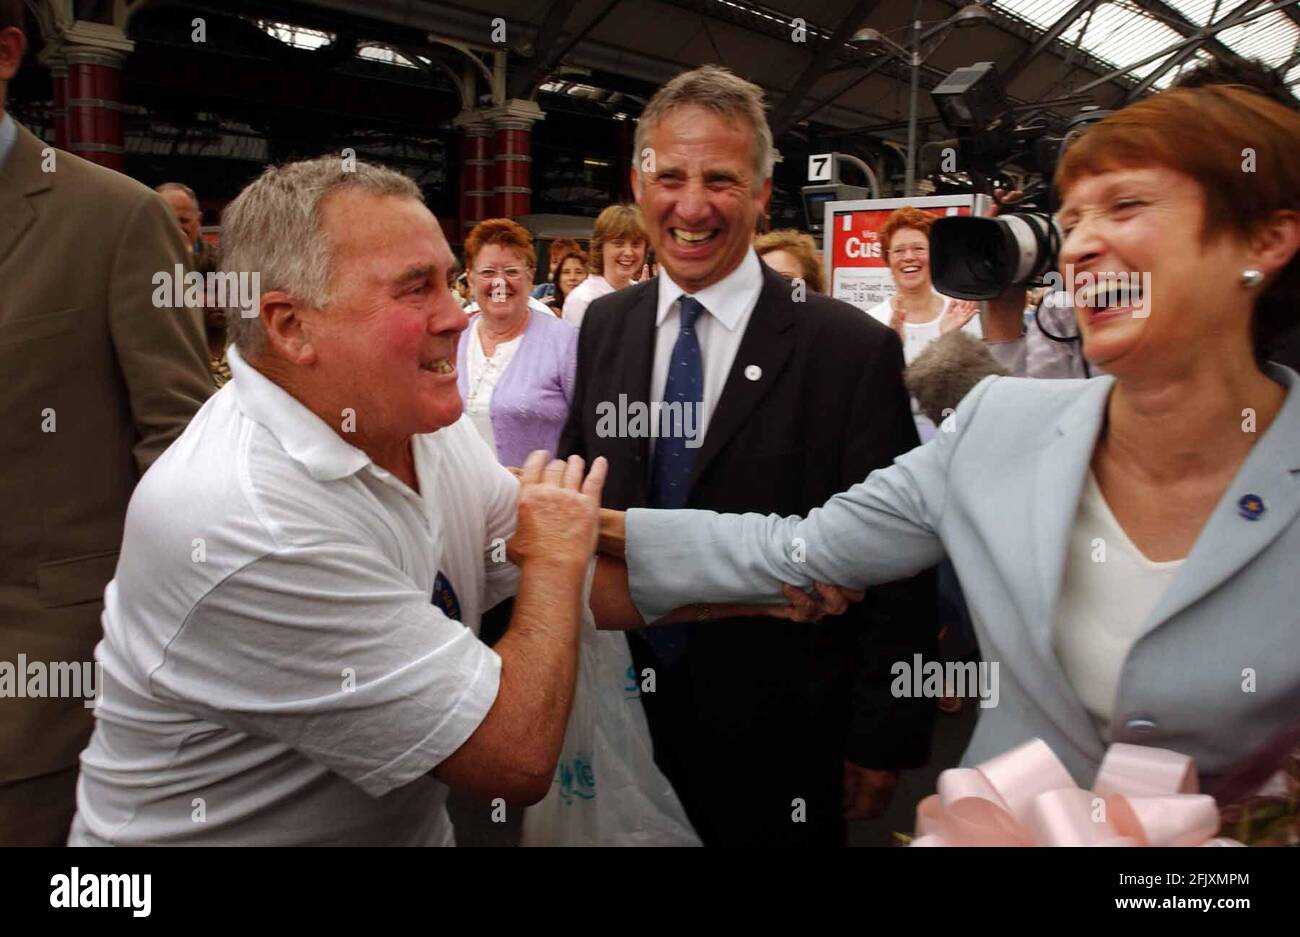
<point>1215,671</point>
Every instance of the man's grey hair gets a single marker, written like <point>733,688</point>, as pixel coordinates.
<point>273,227</point>
<point>726,94</point>
<point>179,187</point>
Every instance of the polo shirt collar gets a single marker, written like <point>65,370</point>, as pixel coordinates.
<point>305,437</point>
<point>727,300</point>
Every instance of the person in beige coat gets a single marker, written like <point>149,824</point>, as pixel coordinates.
<point>96,383</point>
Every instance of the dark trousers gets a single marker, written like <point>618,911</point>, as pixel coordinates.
<point>747,774</point>
<point>38,811</point>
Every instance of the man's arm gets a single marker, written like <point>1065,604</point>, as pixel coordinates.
<point>162,353</point>
<point>512,753</point>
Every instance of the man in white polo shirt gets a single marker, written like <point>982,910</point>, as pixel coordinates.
<point>289,651</point>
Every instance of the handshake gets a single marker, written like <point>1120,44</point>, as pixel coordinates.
<point>560,524</point>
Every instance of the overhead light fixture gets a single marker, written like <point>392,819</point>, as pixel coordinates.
<point>868,37</point>
<point>972,14</point>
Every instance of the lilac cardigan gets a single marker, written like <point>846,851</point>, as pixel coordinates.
<point>531,401</point>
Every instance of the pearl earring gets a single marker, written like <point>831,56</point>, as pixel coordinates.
<point>1251,278</point>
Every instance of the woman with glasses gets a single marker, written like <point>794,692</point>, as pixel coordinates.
<point>516,359</point>
<point>916,312</point>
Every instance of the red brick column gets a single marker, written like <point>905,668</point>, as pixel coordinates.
<point>59,74</point>
<point>514,163</point>
<point>476,175</point>
<point>94,106</point>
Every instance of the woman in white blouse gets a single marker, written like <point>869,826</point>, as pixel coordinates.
<point>916,312</point>
<point>616,259</point>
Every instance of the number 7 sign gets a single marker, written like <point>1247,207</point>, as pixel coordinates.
<point>820,167</point>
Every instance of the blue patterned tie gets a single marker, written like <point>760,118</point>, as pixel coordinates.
<point>674,459</point>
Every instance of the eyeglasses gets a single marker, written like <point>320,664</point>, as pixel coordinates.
<point>510,273</point>
<point>910,252</point>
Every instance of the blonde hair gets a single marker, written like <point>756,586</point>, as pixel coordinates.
<point>616,221</point>
<point>802,247</point>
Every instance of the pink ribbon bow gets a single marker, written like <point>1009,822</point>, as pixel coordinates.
<point>1025,797</point>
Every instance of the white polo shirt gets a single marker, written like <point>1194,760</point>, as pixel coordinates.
<point>274,670</point>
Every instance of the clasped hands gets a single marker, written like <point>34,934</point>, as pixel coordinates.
<point>558,504</point>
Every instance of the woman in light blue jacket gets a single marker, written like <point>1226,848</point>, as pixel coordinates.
<point>1129,545</point>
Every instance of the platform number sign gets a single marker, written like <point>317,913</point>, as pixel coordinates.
<point>819,167</point>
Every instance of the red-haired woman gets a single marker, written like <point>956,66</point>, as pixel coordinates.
<point>516,359</point>
<point>916,312</point>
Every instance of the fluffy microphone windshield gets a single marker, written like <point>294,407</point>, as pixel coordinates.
<point>946,371</point>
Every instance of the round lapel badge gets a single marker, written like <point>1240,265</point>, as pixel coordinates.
<point>753,372</point>
<point>1251,507</point>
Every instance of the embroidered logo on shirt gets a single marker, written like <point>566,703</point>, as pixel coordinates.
<point>444,596</point>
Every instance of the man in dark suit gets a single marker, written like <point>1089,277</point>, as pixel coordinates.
<point>771,732</point>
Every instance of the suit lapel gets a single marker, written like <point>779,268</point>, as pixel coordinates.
<point>765,344</point>
<point>1229,541</point>
<point>633,379</point>
<point>20,178</point>
<point>1058,486</point>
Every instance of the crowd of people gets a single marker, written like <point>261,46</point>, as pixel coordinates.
<point>671,431</point>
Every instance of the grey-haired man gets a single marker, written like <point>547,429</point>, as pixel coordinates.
<point>289,651</point>
<point>770,732</point>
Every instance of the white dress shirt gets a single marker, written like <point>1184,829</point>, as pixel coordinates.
<point>274,671</point>
<point>728,304</point>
